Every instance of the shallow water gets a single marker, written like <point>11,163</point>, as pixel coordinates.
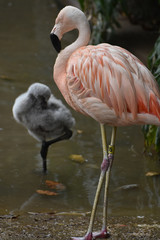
<point>27,56</point>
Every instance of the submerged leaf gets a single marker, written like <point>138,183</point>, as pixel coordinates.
<point>4,77</point>
<point>45,192</point>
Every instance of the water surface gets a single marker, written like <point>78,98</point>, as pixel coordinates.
<point>27,56</point>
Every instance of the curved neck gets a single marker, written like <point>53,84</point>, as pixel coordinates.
<point>63,56</point>
<point>82,40</point>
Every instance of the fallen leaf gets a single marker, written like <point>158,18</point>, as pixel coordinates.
<point>77,158</point>
<point>4,77</point>
<point>151,174</point>
<point>55,185</point>
<point>45,192</point>
<point>79,131</point>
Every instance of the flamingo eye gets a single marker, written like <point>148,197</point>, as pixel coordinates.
<point>54,29</point>
<point>59,19</point>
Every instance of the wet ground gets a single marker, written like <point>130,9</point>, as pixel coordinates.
<point>50,226</point>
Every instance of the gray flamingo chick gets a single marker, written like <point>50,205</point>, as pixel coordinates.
<point>45,117</point>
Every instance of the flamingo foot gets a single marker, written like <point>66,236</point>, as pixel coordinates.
<point>92,236</point>
<point>102,234</point>
<point>88,236</point>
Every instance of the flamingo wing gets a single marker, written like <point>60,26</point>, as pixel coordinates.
<point>112,77</point>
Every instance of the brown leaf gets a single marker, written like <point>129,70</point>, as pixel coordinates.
<point>79,131</point>
<point>45,192</point>
<point>55,185</point>
<point>152,174</point>
<point>77,158</point>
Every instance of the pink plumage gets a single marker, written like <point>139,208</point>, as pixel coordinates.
<point>107,83</point>
<point>110,77</point>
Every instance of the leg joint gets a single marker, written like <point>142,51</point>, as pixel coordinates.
<point>105,164</point>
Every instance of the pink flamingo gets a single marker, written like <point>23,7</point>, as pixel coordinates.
<point>107,83</point>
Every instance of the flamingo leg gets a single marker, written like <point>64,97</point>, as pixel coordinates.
<point>111,148</point>
<point>46,144</point>
<point>104,167</point>
<point>43,152</point>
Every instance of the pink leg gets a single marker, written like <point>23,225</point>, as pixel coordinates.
<point>88,236</point>
<point>105,170</point>
<point>102,234</point>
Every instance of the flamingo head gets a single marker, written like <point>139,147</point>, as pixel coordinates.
<point>39,91</point>
<point>68,19</point>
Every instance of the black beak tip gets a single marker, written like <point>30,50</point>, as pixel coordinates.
<point>56,42</point>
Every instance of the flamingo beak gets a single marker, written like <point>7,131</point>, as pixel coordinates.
<point>56,42</point>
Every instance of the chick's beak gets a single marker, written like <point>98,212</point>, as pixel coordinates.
<point>55,41</point>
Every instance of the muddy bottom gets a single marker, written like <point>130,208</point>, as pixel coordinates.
<point>62,226</point>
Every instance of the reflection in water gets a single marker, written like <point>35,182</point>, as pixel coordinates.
<point>27,56</point>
